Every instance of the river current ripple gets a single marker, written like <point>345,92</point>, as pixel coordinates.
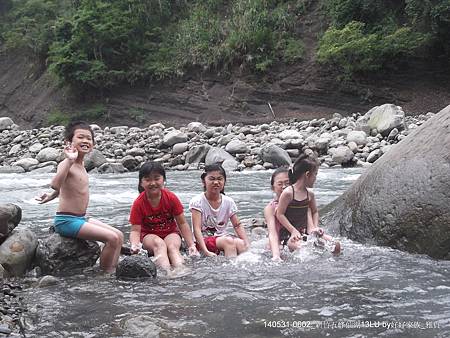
<point>367,291</point>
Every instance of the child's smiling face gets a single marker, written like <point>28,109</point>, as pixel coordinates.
<point>82,140</point>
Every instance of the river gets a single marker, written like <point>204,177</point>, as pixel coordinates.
<point>366,291</point>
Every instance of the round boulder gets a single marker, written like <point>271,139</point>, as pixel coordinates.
<point>136,266</point>
<point>403,200</point>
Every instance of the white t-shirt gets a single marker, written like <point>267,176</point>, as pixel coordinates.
<point>214,221</point>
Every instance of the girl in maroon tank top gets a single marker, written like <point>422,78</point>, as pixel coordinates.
<point>297,207</point>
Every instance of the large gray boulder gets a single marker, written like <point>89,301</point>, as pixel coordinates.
<point>17,252</point>
<point>57,255</point>
<point>383,118</point>
<point>136,267</point>
<point>403,200</point>
<point>197,154</point>
<point>10,216</point>
<point>217,155</point>
<point>94,159</point>
<point>275,155</point>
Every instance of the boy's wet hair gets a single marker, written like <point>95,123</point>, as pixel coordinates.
<point>214,167</point>
<point>74,125</point>
<point>303,164</point>
<point>148,168</point>
<point>276,172</point>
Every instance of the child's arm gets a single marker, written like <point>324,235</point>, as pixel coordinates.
<point>280,214</point>
<point>135,238</point>
<point>313,215</point>
<point>239,229</point>
<point>269,215</point>
<point>47,197</point>
<point>197,224</point>
<point>64,167</point>
<point>186,233</point>
<point>61,174</point>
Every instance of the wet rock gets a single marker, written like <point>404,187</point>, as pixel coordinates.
<point>10,216</point>
<point>136,266</point>
<point>48,281</point>
<point>403,199</point>
<point>17,252</point>
<point>57,255</point>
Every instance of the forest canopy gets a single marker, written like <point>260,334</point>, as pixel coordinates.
<point>104,43</point>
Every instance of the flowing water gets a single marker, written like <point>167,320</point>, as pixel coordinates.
<point>367,291</point>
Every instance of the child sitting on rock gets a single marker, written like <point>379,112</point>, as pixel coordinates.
<point>71,184</point>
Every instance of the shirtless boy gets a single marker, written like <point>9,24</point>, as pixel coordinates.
<point>71,183</point>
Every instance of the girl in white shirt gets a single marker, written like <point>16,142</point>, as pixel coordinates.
<point>211,210</point>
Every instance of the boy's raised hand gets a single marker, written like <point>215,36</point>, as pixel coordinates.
<point>70,151</point>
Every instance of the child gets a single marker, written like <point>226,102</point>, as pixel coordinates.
<point>297,207</point>
<point>157,218</point>
<point>71,185</point>
<point>278,181</point>
<point>211,211</point>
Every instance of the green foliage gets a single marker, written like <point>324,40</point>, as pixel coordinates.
<point>350,48</point>
<point>353,50</point>
<point>107,42</point>
<point>293,50</point>
<point>367,35</point>
<point>31,25</point>
<point>96,112</point>
<point>58,118</point>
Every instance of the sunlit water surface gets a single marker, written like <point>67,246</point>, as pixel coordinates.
<point>367,291</point>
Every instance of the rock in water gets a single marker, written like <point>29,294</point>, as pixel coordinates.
<point>57,255</point>
<point>136,267</point>
<point>403,200</point>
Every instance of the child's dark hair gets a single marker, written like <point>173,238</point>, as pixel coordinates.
<point>303,164</point>
<point>276,172</point>
<point>214,167</point>
<point>148,168</point>
<point>74,125</point>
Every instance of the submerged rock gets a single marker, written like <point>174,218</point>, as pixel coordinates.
<point>403,200</point>
<point>136,267</point>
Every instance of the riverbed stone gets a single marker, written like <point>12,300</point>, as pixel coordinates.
<point>49,154</point>
<point>27,163</point>
<point>136,266</point>
<point>94,159</point>
<point>275,155</point>
<point>5,123</point>
<point>10,216</point>
<point>57,255</point>
<point>403,199</point>
<point>17,252</point>
<point>217,155</point>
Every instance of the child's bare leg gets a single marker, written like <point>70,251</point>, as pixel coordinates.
<point>159,248</point>
<point>107,226</point>
<point>173,243</point>
<point>240,245</point>
<point>113,242</point>
<point>226,243</point>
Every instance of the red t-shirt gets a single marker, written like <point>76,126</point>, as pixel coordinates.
<point>159,221</point>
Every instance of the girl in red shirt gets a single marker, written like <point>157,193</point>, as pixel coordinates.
<point>157,219</point>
